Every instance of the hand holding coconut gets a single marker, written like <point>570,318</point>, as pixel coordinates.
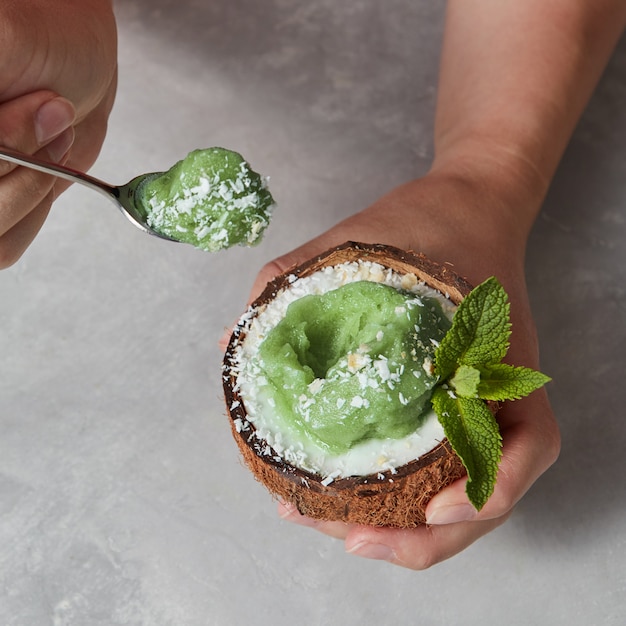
<point>536,438</point>
<point>354,398</point>
<point>501,128</point>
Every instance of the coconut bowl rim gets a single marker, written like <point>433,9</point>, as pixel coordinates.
<point>440,277</point>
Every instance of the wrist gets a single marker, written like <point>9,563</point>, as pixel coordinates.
<point>450,216</point>
<point>512,187</point>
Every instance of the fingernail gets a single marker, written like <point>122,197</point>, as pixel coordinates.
<point>376,551</point>
<point>52,118</point>
<point>291,514</point>
<point>451,514</point>
<point>286,510</point>
<point>59,147</point>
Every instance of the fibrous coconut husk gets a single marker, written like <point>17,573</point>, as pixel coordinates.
<point>394,498</point>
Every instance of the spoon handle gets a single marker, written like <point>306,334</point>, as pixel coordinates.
<point>56,170</point>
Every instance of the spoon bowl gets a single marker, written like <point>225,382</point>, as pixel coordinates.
<point>123,196</point>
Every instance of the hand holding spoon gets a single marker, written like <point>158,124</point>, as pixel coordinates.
<point>123,196</point>
<point>211,199</point>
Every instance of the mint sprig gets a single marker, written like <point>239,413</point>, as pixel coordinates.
<point>468,363</point>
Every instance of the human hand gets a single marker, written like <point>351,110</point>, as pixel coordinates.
<point>450,219</point>
<point>50,49</point>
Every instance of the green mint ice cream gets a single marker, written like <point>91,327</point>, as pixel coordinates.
<point>211,199</point>
<point>353,364</point>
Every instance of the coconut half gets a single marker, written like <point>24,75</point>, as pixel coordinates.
<point>389,496</point>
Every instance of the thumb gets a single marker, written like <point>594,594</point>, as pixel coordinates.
<point>348,229</point>
<point>267,273</point>
<point>283,264</point>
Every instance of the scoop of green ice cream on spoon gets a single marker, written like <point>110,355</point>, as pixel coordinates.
<point>212,199</point>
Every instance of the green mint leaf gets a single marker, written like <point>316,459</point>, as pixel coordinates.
<point>468,363</point>
<point>506,382</point>
<point>480,330</point>
<point>466,381</point>
<point>474,435</point>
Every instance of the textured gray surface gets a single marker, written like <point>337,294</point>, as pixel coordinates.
<point>122,498</point>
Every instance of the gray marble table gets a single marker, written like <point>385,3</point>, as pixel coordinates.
<point>122,496</point>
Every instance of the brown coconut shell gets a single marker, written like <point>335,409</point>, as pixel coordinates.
<point>395,499</point>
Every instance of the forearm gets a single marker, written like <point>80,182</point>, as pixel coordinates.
<point>515,78</point>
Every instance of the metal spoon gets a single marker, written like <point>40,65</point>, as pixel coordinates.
<point>123,196</point>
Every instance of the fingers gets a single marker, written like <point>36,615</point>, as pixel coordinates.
<point>415,548</point>
<point>22,189</point>
<point>39,123</point>
<point>288,512</point>
<point>15,241</point>
<point>33,121</point>
<point>531,445</point>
